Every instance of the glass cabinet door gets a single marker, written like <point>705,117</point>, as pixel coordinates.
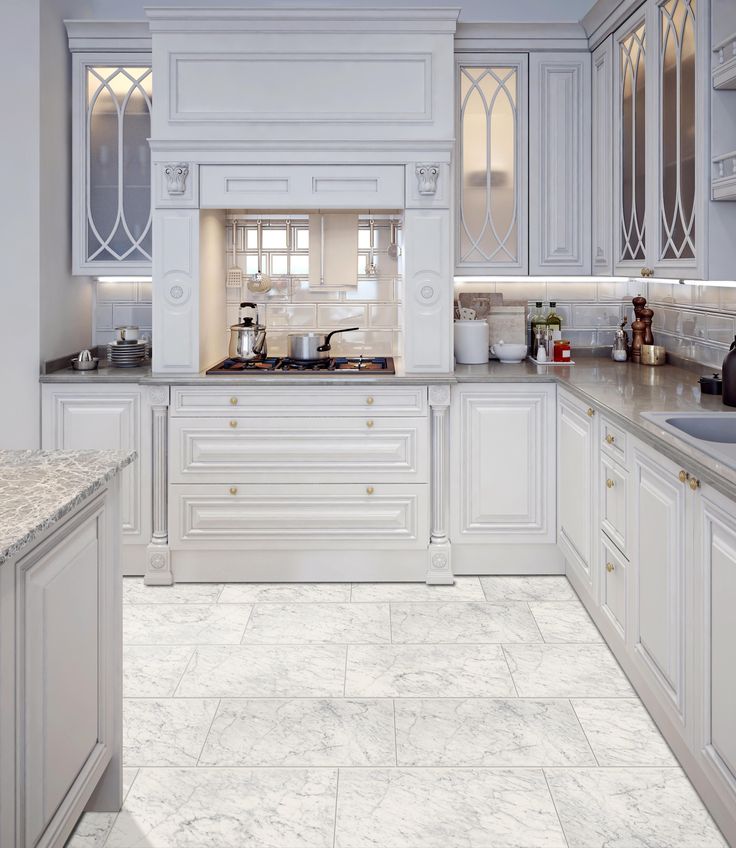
<point>115,209</point>
<point>491,216</point>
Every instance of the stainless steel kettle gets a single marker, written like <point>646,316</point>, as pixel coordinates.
<point>248,338</point>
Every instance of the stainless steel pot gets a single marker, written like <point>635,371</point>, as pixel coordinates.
<point>248,338</point>
<point>311,347</point>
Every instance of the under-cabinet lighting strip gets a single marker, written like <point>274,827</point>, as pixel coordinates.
<point>125,279</point>
<point>730,284</point>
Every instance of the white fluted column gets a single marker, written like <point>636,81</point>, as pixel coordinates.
<point>158,566</point>
<point>440,568</point>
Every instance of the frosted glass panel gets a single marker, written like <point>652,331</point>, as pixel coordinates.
<point>118,178</point>
<point>632,192</point>
<point>677,143</point>
<point>489,181</point>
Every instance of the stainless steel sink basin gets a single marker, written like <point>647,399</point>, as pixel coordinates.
<point>714,433</point>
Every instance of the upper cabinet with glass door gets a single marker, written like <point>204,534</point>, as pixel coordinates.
<point>661,129</point>
<point>492,210</point>
<point>112,164</point>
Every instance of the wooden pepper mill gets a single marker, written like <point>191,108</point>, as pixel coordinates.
<point>646,314</point>
<point>638,328</point>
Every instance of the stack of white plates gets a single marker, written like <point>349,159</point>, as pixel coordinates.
<point>126,354</point>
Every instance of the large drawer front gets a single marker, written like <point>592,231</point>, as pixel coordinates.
<point>318,517</point>
<point>298,401</point>
<point>217,450</point>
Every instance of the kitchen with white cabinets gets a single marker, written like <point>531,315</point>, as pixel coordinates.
<point>375,587</point>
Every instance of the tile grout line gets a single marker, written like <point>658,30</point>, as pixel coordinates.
<point>580,725</point>
<point>186,668</point>
<point>337,795</point>
<point>209,730</point>
<point>247,622</point>
<point>511,674</point>
<point>396,740</point>
<point>554,804</point>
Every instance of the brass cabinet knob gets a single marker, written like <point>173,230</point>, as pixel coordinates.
<point>234,401</point>
<point>369,423</point>
<point>233,423</point>
<point>233,490</point>
<point>369,400</point>
<point>609,567</point>
<point>683,476</point>
<point>610,439</point>
<point>610,483</point>
<point>369,490</point>
<point>647,272</point>
<point>590,412</point>
<point>694,483</point>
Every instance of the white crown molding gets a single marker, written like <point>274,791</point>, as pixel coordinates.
<point>317,19</point>
<point>476,36</point>
<point>605,17</point>
<point>90,36</point>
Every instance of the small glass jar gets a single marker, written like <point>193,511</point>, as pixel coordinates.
<point>562,352</point>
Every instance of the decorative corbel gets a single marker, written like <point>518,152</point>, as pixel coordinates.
<point>176,178</point>
<point>427,176</point>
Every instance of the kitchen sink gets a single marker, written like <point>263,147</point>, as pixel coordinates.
<point>714,433</point>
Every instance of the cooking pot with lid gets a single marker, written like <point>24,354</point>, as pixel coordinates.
<point>248,338</point>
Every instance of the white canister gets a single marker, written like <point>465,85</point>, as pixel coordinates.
<point>471,342</point>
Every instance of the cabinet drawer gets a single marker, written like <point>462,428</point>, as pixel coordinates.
<point>613,441</point>
<point>298,401</point>
<point>613,583</point>
<point>288,450</point>
<point>342,516</point>
<point>614,483</point>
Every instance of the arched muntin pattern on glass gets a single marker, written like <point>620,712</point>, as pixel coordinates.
<point>677,139</point>
<point>118,164</point>
<point>488,220</point>
<point>632,190</point>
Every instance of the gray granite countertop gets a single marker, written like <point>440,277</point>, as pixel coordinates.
<point>38,488</point>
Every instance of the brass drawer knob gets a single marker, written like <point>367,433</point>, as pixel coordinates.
<point>369,423</point>
<point>590,412</point>
<point>369,490</point>
<point>233,423</point>
<point>609,567</point>
<point>369,400</point>
<point>233,490</point>
<point>610,439</point>
<point>694,484</point>
<point>234,401</point>
<point>683,476</point>
<point>610,483</point>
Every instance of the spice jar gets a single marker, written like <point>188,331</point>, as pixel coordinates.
<point>562,352</point>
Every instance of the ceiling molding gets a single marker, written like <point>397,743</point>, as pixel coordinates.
<point>474,36</point>
<point>605,17</point>
<point>89,36</point>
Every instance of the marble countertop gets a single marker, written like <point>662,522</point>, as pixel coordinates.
<point>38,488</point>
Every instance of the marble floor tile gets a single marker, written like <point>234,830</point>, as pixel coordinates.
<point>165,731</point>
<point>550,588</point>
<point>301,732</point>
<point>566,671</point>
<point>621,733</point>
<point>631,808</point>
<point>464,622</point>
<point>284,624</point>
<point>268,671</point>
<point>284,593</point>
<point>464,589</point>
<point>153,672</point>
<point>228,808</point>
<point>184,624</point>
<point>427,671</point>
<point>136,592</point>
<point>564,621</point>
<point>92,830</point>
<point>484,732</point>
<point>445,808</point>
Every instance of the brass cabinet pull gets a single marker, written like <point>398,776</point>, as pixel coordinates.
<point>694,484</point>
<point>590,412</point>
<point>610,439</point>
<point>369,400</point>
<point>610,483</point>
<point>369,490</point>
<point>233,423</point>
<point>609,567</point>
<point>234,401</point>
<point>233,490</point>
<point>369,423</point>
<point>647,272</point>
<point>683,476</point>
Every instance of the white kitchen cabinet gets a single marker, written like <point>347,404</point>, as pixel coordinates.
<point>112,416</point>
<point>504,460</point>
<point>614,583</point>
<point>613,486</point>
<point>559,163</point>
<point>659,555</point>
<point>602,158</point>
<point>576,484</point>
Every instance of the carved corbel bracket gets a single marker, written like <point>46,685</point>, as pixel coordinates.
<point>176,174</point>
<point>427,175</point>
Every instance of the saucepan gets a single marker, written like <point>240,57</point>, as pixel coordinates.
<point>311,347</point>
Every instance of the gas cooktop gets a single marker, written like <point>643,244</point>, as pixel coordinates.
<point>281,365</point>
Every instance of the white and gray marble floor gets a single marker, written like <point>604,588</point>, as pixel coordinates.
<point>488,714</point>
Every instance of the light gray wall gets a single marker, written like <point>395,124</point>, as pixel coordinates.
<point>19,225</point>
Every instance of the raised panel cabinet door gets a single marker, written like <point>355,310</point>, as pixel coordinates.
<point>492,162</point>
<point>559,163</point>
<point>504,464</point>
<point>575,485</point>
<point>613,584</point>
<point>602,158</point>
<point>659,541</point>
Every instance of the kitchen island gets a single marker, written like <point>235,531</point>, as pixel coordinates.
<point>60,641</point>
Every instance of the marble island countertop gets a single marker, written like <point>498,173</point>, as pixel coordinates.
<point>38,488</point>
